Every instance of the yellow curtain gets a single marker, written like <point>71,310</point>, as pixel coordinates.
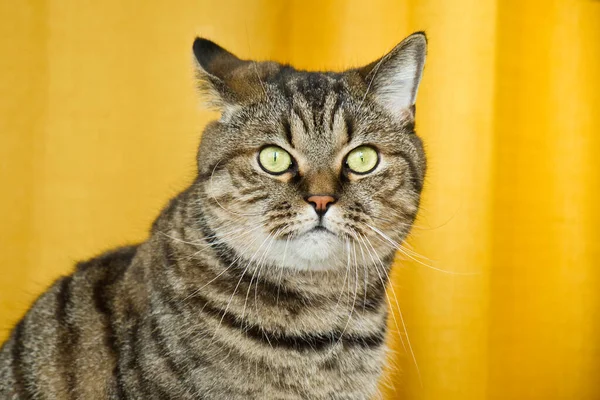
<point>99,124</point>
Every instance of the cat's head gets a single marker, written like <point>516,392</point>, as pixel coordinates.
<point>311,170</point>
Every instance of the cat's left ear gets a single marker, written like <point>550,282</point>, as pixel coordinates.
<point>226,80</point>
<point>393,80</point>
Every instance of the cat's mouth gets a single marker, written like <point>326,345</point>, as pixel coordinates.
<point>321,234</point>
<point>320,229</point>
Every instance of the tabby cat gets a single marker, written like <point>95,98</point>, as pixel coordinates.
<point>266,277</point>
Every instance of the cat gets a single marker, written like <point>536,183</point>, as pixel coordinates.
<point>266,277</point>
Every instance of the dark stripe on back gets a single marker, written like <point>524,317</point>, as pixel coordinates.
<point>62,300</point>
<point>68,335</point>
<point>18,351</point>
<point>114,264</point>
<point>129,361</point>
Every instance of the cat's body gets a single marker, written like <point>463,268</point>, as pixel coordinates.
<point>242,290</point>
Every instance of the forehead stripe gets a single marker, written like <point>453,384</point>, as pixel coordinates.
<point>296,110</point>
<point>334,112</point>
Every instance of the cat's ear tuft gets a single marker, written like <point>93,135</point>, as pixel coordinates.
<point>393,80</point>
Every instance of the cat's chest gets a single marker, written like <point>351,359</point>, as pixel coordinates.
<point>337,373</point>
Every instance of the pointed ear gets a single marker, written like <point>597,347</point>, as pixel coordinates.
<point>213,66</point>
<point>226,80</point>
<point>393,80</point>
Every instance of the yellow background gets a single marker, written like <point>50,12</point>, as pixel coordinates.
<point>99,123</point>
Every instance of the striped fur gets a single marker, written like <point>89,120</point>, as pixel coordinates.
<point>235,295</point>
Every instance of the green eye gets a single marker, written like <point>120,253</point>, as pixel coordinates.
<point>274,160</point>
<point>362,160</point>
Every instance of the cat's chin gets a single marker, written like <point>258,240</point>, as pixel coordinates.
<point>317,249</point>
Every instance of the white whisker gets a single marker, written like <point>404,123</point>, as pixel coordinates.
<point>237,286</point>
<point>282,268</point>
<point>236,259</point>
<point>398,247</point>
<point>391,286</point>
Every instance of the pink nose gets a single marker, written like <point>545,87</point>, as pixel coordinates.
<point>321,203</point>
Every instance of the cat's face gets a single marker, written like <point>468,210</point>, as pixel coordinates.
<point>312,170</point>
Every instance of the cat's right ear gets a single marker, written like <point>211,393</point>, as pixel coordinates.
<point>393,80</point>
<point>225,80</point>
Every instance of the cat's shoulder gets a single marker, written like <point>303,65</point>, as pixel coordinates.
<point>116,259</point>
